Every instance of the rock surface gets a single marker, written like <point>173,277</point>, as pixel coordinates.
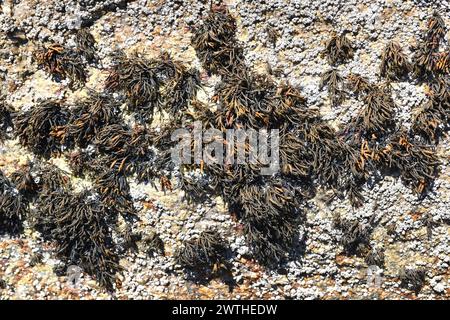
<point>322,271</point>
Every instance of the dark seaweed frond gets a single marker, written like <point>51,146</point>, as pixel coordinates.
<point>293,156</point>
<point>435,30</point>
<point>355,236</point>
<point>197,189</point>
<point>6,120</point>
<point>333,80</point>
<point>432,118</point>
<point>153,244</point>
<point>413,279</point>
<point>334,163</point>
<point>51,178</point>
<point>86,45</point>
<point>204,254</point>
<point>424,61</point>
<point>13,207</point>
<point>34,178</point>
<point>358,84</point>
<point>428,120</point>
<point>338,49</point>
<point>417,163</point>
<point>216,45</point>
<point>89,116</point>
<point>181,91</point>
<point>61,63</point>
<point>138,78</point>
<point>78,224</point>
<point>394,63</point>
<point>79,162</point>
<point>442,62</point>
<point>41,129</point>
<point>152,84</point>
<point>24,181</point>
<point>244,100</point>
<point>376,119</point>
<point>375,258</point>
<point>270,216</point>
<point>289,108</point>
<point>114,189</point>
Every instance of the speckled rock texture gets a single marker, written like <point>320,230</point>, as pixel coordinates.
<point>320,269</point>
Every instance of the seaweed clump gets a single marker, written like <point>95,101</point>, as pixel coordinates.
<point>89,116</point>
<point>427,60</point>
<point>394,63</point>
<point>24,181</point>
<point>335,164</point>
<point>435,30</point>
<point>114,189</point>
<point>375,258</point>
<point>13,207</point>
<point>335,83</point>
<point>153,244</point>
<point>153,85</point>
<point>62,63</point>
<point>78,223</point>
<point>119,152</point>
<point>413,279</point>
<point>86,45</point>
<point>244,101</point>
<point>269,207</point>
<point>416,163</point>
<point>376,118</point>
<point>338,49</point>
<point>431,119</point>
<point>6,121</point>
<point>270,215</point>
<point>32,179</point>
<point>355,237</point>
<point>41,129</point>
<point>203,255</point>
<point>358,84</point>
<point>215,43</point>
